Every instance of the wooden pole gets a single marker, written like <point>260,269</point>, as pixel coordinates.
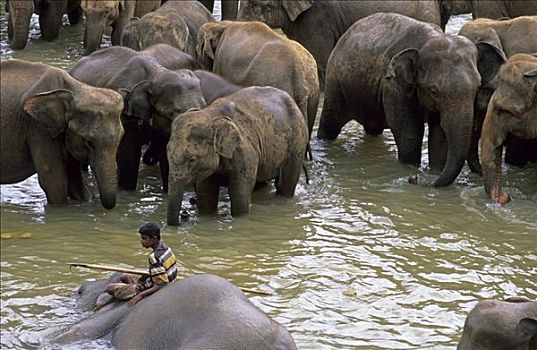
<point>145,273</point>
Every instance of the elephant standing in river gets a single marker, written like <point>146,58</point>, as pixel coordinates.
<point>254,135</point>
<point>229,8</point>
<point>50,123</point>
<point>250,53</point>
<point>392,71</point>
<point>115,13</point>
<point>50,18</point>
<point>175,23</point>
<point>197,312</point>
<point>512,111</point>
<point>501,325</point>
<point>152,94</point>
<point>318,25</point>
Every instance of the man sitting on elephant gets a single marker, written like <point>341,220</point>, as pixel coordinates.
<point>162,270</point>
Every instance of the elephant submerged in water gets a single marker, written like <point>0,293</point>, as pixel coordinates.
<point>254,135</point>
<point>197,312</point>
<point>512,111</point>
<point>392,71</point>
<point>501,325</point>
<point>50,123</point>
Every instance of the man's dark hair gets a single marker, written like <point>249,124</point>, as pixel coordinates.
<point>150,229</point>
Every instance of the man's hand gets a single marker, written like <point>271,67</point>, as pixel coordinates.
<point>135,300</point>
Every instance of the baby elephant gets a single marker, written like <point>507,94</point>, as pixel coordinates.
<point>501,325</point>
<point>254,135</point>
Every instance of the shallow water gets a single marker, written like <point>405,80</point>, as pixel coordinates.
<point>359,259</point>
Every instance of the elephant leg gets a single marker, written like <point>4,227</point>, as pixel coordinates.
<point>207,192</point>
<point>51,172</point>
<point>164,170</point>
<point>240,190</point>
<point>437,147</point>
<point>288,177</point>
<point>229,10</point>
<point>473,153</point>
<point>76,187</point>
<point>405,121</point>
<point>333,118</point>
<point>75,15</point>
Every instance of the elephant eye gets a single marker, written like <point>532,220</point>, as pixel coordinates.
<point>434,91</point>
<point>192,160</point>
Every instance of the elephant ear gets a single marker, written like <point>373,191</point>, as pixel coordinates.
<point>226,137</point>
<point>527,327</point>
<point>490,57</point>
<point>138,101</point>
<point>295,7</point>
<point>131,34</point>
<point>207,43</point>
<point>403,66</point>
<point>50,109</point>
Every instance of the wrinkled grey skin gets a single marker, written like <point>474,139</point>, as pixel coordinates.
<point>50,123</point>
<point>201,312</point>
<point>512,36</point>
<point>250,53</point>
<point>175,23</point>
<point>391,71</point>
<point>254,135</point>
<point>170,57</point>
<point>318,25</point>
<point>229,8</point>
<point>152,94</point>
<point>50,18</point>
<point>115,13</point>
<point>212,87</point>
<point>501,325</point>
<point>512,111</point>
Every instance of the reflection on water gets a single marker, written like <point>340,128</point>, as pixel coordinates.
<point>358,259</point>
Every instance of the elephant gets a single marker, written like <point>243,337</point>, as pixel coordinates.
<point>250,53</point>
<point>512,111</point>
<point>318,25</point>
<point>510,324</point>
<point>50,124</point>
<point>50,18</point>
<point>229,8</point>
<point>392,71</point>
<point>202,312</point>
<point>115,13</point>
<point>152,94</point>
<point>170,57</point>
<point>175,23</point>
<point>254,135</point>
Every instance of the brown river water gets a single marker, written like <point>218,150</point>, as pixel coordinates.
<point>359,259</point>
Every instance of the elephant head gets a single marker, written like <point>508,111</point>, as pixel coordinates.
<point>99,15</point>
<point>275,13</point>
<point>444,74</point>
<point>156,28</point>
<point>20,13</point>
<point>158,100</point>
<point>92,135</point>
<point>208,38</point>
<point>197,143</point>
<point>512,110</point>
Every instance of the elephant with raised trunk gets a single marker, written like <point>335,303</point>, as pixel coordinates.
<point>250,53</point>
<point>50,18</point>
<point>318,25</point>
<point>512,111</point>
<point>392,71</point>
<point>153,97</point>
<point>254,135</point>
<point>50,123</point>
<point>101,14</point>
<point>175,23</point>
<point>501,325</point>
<point>198,312</point>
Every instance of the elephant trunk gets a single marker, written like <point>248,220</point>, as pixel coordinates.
<point>457,126</point>
<point>492,139</point>
<point>104,167</point>
<point>93,35</point>
<point>20,26</point>
<point>175,199</point>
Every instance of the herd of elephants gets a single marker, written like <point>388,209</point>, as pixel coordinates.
<point>233,103</point>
